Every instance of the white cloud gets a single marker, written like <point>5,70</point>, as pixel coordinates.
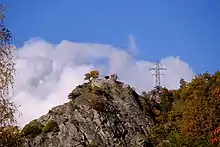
<point>132,47</point>
<point>47,73</point>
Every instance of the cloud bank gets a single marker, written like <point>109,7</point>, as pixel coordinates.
<point>47,73</point>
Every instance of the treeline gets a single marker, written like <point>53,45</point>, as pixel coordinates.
<point>189,116</point>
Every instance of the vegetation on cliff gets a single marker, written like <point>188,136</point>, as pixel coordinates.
<point>190,115</point>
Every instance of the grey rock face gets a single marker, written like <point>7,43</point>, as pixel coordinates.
<point>108,116</point>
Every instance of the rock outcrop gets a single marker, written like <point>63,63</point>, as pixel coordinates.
<point>104,113</point>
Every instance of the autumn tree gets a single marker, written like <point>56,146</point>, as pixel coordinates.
<point>7,70</point>
<point>94,74</point>
<point>193,113</point>
<point>9,134</point>
<point>201,107</point>
<point>215,136</point>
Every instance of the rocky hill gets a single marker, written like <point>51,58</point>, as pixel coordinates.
<point>101,113</point>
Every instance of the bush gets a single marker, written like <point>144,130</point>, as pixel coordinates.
<point>174,139</point>
<point>97,90</point>
<point>51,126</point>
<point>159,132</point>
<point>92,143</point>
<point>11,137</point>
<point>73,95</point>
<point>32,129</point>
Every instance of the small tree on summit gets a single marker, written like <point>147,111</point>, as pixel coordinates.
<point>113,77</point>
<point>182,83</point>
<point>94,74</point>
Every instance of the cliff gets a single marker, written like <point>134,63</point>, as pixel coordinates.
<point>102,113</point>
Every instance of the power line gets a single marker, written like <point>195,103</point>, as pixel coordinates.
<point>157,73</point>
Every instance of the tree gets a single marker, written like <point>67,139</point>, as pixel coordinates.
<point>182,83</point>
<point>201,107</point>
<point>9,134</point>
<point>193,113</point>
<point>113,77</point>
<point>94,74</point>
<point>7,70</point>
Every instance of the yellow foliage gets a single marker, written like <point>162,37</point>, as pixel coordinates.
<point>10,136</point>
<point>201,106</point>
<point>94,74</point>
<point>194,111</point>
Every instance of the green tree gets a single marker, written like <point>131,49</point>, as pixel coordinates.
<point>182,83</point>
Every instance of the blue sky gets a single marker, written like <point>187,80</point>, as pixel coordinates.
<point>185,28</point>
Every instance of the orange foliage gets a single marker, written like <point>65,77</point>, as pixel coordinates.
<point>216,134</point>
<point>201,108</point>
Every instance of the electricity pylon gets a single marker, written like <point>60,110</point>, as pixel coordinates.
<point>157,73</point>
